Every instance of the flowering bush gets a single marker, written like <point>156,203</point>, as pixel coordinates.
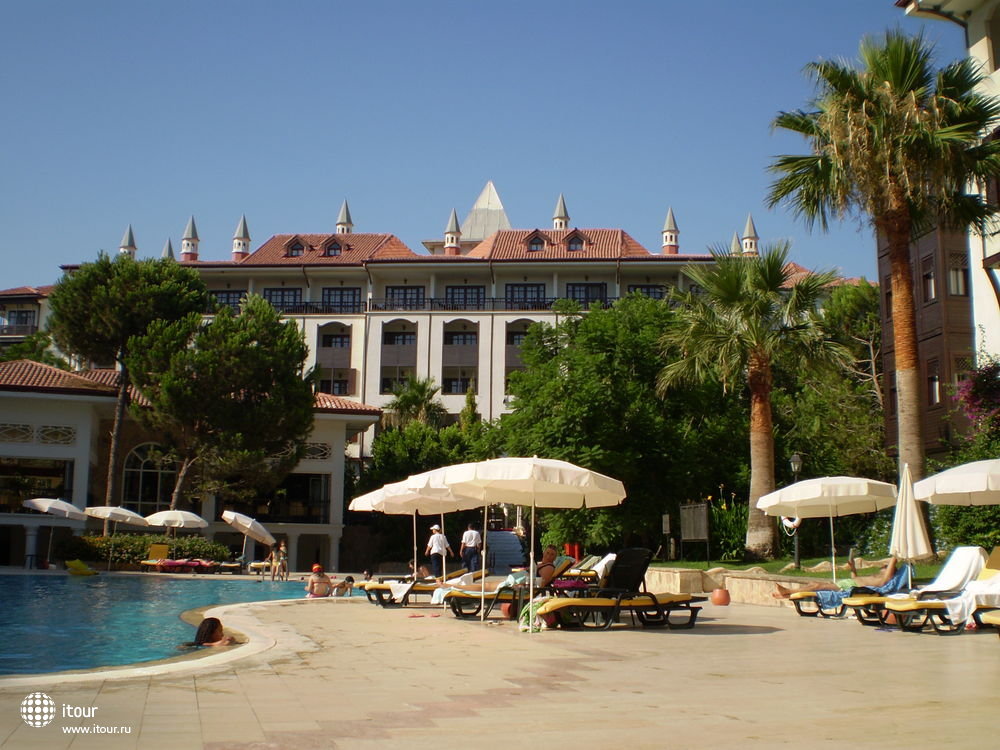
<point>728,530</point>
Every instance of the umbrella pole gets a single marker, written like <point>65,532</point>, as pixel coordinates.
<point>48,558</point>
<point>531,565</point>
<point>416,564</point>
<point>833,553</point>
<point>482,563</point>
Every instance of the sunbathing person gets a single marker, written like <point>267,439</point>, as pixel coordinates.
<point>843,584</point>
<point>545,570</point>
<point>319,584</point>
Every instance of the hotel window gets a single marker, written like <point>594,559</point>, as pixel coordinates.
<point>536,244</point>
<point>587,293</point>
<point>524,295</point>
<point>147,479</point>
<point>342,299</point>
<point>332,249</point>
<point>933,384</point>
<point>460,338</point>
<point>295,249</point>
<point>516,338</point>
<point>464,297</point>
<point>575,243</point>
<point>282,298</point>
<point>887,286</point>
<point>229,297</point>
<point>394,377</point>
<point>336,340</point>
<point>456,386</point>
<point>927,279</point>
<point>21,317</point>
<point>334,387</point>
<point>653,291</point>
<point>399,338</point>
<point>405,297</point>
<point>958,275</point>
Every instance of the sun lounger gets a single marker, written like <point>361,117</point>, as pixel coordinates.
<point>866,602</point>
<point>991,618</point>
<point>946,611</point>
<point>156,554</point>
<point>467,604</point>
<point>652,610</point>
<point>398,593</point>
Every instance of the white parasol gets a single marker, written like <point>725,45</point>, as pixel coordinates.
<point>828,497</point>
<point>251,528</point>
<point>976,483</point>
<point>54,508</point>
<point>113,513</point>
<point>909,539</point>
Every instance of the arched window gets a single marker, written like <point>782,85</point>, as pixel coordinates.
<point>147,479</point>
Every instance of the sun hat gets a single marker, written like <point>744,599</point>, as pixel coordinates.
<point>435,527</point>
<point>317,568</point>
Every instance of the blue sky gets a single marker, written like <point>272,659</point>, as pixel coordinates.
<point>147,113</point>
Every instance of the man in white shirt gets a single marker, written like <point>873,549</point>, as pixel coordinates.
<point>472,542</point>
<point>437,547</point>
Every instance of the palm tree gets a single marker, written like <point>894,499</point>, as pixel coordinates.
<point>742,321</point>
<point>415,400</point>
<point>899,143</point>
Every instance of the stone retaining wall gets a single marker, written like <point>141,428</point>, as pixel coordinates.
<point>753,586</point>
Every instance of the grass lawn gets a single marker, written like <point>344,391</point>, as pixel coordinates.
<point>923,571</point>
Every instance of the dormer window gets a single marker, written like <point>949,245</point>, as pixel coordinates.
<point>332,249</point>
<point>536,244</point>
<point>574,243</point>
<point>295,249</point>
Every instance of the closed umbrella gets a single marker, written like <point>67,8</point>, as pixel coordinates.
<point>538,482</point>
<point>251,528</point>
<point>54,508</point>
<point>113,513</point>
<point>828,497</point>
<point>909,539</point>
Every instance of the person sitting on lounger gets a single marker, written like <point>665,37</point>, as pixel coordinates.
<point>843,584</point>
<point>545,570</point>
<point>319,584</point>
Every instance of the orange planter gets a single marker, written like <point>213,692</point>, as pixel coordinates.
<point>720,597</point>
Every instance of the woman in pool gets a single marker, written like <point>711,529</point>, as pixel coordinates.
<point>210,633</point>
<point>319,584</point>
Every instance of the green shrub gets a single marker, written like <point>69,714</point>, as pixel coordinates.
<point>133,548</point>
<point>728,519</point>
<point>959,525</point>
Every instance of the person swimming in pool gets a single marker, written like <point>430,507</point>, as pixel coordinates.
<point>210,633</point>
<point>345,587</point>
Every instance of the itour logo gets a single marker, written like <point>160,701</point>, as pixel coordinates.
<point>38,709</point>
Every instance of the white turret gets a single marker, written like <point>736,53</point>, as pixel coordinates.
<point>189,242</point>
<point>560,219</point>
<point>168,250</point>
<point>241,240</point>
<point>750,237</point>
<point>452,236</point>
<point>344,223</point>
<point>128,243</point>
<point>734,246</point>
<point>670,234</point>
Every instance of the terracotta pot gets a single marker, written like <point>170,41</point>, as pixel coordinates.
<point>720,597</point>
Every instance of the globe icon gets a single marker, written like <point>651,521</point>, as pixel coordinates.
<point>37,709</point>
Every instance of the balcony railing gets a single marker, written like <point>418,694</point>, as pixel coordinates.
<point>431,304</point>
<point>21,330</point>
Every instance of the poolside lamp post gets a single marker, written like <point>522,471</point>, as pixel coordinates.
<point>796,463</point>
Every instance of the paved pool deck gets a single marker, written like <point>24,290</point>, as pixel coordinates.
<point>347,674</point>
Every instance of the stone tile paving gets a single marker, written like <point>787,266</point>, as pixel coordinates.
<point>350,675</point>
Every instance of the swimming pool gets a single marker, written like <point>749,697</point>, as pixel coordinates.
<point>52,623</point>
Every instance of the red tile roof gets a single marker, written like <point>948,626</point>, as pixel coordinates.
<point>27,291</point>
<point>25,375</point>
<point>354,249</point>
<point>337,405</point>
<point>598,244</point>
<point>797,273</point>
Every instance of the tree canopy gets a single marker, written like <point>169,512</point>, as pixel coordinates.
<point>232,394</point>
<point>96,309</point>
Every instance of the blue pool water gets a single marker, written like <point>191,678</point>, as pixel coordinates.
<point>51,623</point>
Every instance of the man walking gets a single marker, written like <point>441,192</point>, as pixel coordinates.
<point>472,543</point>
<point>437,547</point>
